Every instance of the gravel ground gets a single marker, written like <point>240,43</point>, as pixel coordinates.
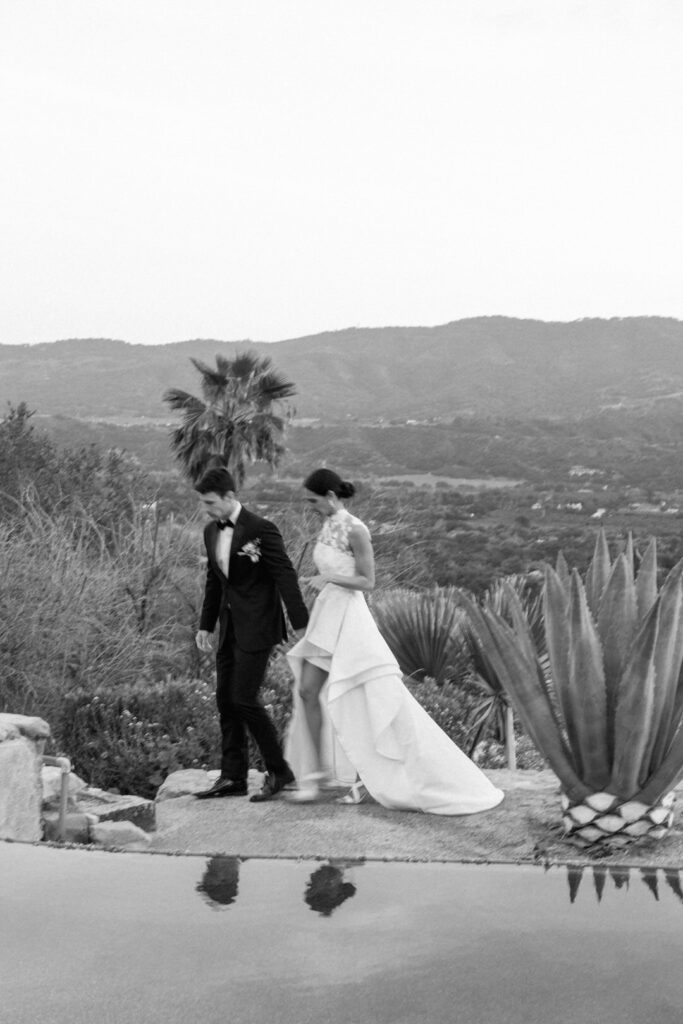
<point>524,828</point>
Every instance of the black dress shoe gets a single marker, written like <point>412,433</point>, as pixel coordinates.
<point>224,787</point>
<point>272,785</point>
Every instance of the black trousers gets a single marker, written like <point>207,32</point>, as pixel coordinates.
<point>239,676</point>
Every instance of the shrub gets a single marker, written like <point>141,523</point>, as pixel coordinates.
<point>422,628</point>
<point>131,738</point>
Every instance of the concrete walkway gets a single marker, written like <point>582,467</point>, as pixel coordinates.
<point>524,828</point>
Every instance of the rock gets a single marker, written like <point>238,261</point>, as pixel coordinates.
<point>77,827</point>
<point>119,833</point>
<point>51,777</point>
<point>184,783</point>
<point>21,754</point>
<point>12,726</point>
<point>106,806</point>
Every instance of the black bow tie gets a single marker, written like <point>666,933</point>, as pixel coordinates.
<point>222,523</point>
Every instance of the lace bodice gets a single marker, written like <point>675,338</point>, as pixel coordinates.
<point>332,552</point>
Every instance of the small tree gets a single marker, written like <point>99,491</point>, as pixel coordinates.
<point>237,420</point>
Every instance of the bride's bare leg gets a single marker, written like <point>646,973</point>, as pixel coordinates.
<point>312,682</point>
<point>313,679</point>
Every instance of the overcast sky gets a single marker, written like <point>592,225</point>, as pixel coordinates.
<point>266,169</point>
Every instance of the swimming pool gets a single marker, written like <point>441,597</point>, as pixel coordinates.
<point>122,938</point>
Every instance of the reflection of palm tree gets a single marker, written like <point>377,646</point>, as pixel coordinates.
<point>219,884</point>
<point>234,422</point>
<point>327,890</point>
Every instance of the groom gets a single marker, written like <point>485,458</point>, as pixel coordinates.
<point>248,577</point>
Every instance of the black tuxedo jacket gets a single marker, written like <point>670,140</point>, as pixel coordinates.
<point>260,578</point>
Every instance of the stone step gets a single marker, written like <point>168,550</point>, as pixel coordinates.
<point>89,807</point>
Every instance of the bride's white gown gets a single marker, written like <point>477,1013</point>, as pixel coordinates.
<point>372,725</point>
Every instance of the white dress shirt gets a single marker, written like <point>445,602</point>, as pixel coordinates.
<point>224,542</point>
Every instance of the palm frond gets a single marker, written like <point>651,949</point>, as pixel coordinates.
<point>422,628</point>
<point>181,401</point>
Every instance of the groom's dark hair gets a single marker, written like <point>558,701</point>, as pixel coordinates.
<point>216,481</point>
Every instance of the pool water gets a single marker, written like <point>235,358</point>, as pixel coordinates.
<point>123,938</point>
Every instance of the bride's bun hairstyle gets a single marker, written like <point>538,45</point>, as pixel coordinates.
<point>322,481</point>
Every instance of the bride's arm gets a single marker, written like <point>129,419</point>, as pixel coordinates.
<point>361,545</point>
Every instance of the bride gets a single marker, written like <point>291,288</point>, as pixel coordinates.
<point>353,721</point>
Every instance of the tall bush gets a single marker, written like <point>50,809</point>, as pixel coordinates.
<point>79,612</point>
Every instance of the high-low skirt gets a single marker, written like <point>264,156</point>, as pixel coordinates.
<point>373,728</point>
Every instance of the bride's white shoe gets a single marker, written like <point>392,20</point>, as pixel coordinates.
<point>358,794</point>
<point>309,788</point>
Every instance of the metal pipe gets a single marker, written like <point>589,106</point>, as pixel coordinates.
<point>65,765</point>
<point>510,746</point>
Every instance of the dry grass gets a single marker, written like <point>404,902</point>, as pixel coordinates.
<point>77,611</point>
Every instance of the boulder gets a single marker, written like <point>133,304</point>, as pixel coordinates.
<point>118,834</point>
<point>12,726</point>
<point>22,739</point>
<point>184,783</point>
<point>51,777</point>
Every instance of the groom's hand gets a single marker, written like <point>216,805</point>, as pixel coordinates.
<point>203,641</point>
<point>284,647</point>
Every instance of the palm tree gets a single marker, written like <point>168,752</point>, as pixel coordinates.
<point>234,422</point>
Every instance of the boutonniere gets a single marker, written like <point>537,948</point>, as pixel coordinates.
<point>251,550</point>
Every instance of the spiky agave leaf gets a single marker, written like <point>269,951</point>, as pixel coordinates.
<point>561,568</point>
<point>668,658</point>
<point>634,708</point>
<point>585,701</point>
<point>534,648</point>
<point>646,580</point>
<point>667,776</point>
<point>598,572</point>
<point>630,554</point>
<point>496,597</point>
<point>530,602</point>
<point>557,632</point>
<point>522,678</point>
<point>617,620</point>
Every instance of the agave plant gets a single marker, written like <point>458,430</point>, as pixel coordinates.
<point>422,628</point>
<point>493,712</point>
<point>605,707</point>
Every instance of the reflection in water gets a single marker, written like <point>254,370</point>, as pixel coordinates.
<point>326,889</point>
<point>621,878</point>
<point>219,884</point>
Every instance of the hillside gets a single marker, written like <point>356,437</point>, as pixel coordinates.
<point>489,366</point>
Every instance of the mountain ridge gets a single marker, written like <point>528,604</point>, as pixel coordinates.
<point>483,366</point>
